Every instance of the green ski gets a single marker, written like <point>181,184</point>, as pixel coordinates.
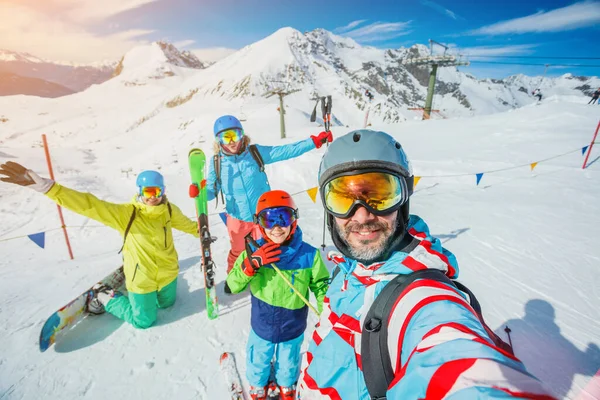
<point>197,163</point>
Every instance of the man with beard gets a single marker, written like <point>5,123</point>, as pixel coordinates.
<point>437,346</point>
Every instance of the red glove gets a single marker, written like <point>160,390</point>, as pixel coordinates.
<point>266,254</point>
<point>321,138</point>
<point>193,190</point>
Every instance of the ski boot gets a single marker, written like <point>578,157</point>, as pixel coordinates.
<point>287,392</point>
<point>100,295</point>
<point>272,391</point>
<point>258,393</point>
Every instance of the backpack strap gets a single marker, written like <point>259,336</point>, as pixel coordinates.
<point>129,227</point>
<point>257,157</point>
<point>170,210</point>
<point>377,365</point>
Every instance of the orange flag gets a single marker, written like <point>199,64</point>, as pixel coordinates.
<point>417,179</point>
<point>533,165</point>
<point>313,193</point>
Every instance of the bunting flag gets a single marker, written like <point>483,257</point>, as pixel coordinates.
<point>223,216</point>
<point>479,175</point>
<point>584,149</point>
<point>313,193</point>
<point>533,165</point>
<point>416,182</point>
<point>38,238</point>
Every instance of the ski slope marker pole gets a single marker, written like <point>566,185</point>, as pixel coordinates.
<point>60,214</point>
<point>590,148</point>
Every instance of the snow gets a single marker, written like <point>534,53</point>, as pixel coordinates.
<point>525,240</point>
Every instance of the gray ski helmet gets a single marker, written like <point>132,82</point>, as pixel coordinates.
<point>365,149</point>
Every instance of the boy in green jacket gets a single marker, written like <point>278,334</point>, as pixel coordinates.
<point>278,316</point>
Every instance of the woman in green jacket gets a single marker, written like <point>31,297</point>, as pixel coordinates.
<point>150,262</point>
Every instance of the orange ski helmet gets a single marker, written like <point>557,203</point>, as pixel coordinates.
<point>276,199</point>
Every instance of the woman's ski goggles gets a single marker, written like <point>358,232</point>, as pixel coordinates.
<point>276,216</point>
<point>379,192</point>
<point>230,136</point>
<point>151,191</point>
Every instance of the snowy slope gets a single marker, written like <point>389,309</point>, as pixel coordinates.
<point>524,240</point>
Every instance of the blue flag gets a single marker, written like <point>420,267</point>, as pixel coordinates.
<point>479,175</point>
<point>38,238</point>
<point>584,149</point>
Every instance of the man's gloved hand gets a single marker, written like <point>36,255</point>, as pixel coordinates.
<point>321,138</point>
<point>268,253</point>
<point>19,175</point>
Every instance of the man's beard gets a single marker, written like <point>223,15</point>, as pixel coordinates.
<point>368,250</point>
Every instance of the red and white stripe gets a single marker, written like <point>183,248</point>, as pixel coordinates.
<point>454,376</point>
<point>416,296</point>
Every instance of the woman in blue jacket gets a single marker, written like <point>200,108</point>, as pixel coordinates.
<point>239,177</point>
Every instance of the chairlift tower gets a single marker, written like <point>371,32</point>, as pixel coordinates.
<point>445,60</point>
<point>281,93</point>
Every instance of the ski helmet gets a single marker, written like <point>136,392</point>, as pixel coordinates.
<point>369,150</point>
<point>276,198</point>
<point>226,122</point>
<point>150,179</point>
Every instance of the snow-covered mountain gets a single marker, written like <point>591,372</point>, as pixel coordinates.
<point>319,62</point>
<point>13,84</point>
<point>74,77</point>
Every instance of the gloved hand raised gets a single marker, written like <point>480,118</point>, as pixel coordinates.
<point>266,254</point>
<point>19,175</point>
<point>321,138</point>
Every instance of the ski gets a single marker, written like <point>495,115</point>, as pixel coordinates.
<point>73,312</point>
<point>197,164</point>
<point>232,376</point>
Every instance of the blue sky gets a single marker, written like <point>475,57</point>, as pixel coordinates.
<point>494,28</point>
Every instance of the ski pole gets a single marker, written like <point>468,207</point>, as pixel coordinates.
<point>286,280</point>
<point>508,331</point>
<point>304,300</point>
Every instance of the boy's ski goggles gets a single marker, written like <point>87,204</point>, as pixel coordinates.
<point>379,192</point>
<point>276,216</point>
<point>230,136</point>
<point>151,191</point>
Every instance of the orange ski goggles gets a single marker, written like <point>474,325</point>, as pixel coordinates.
<point>379,192</point>
<point>151,191</point>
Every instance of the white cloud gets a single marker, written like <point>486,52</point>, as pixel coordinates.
<point>182,44</point>
<point>350,26</point>
<point>379,31</point>
<point>212,54</point>
<point>441,9</point>
<point>60,29</point>
<point>578,15</point>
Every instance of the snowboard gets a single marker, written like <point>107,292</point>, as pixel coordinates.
<point>197,164</point>
<point>232,376</point>
<point>73,312</point>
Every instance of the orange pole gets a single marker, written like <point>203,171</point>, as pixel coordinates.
<point>590,148</point>
<point>60,214</point>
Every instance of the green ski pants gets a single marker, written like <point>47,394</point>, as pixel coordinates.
<point>140,309</point>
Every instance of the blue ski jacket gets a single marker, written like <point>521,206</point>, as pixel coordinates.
<point>242,182</point>
<point>437,345</point>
